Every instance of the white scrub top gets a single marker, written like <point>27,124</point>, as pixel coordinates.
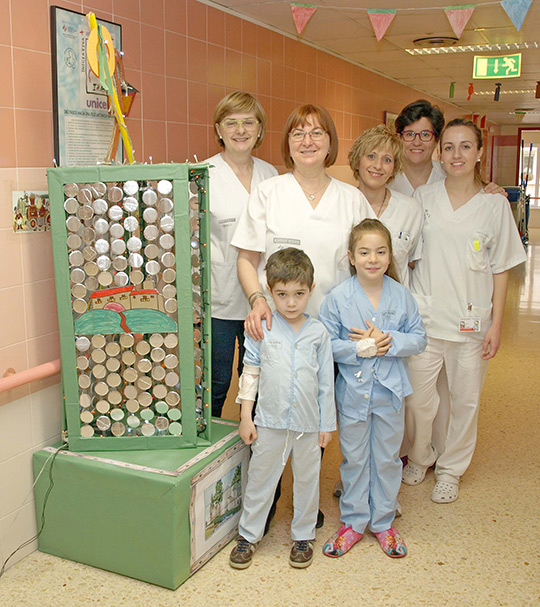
<point>279,215</point>
<point>453,281</point>
<point>401,183</point>
<point>404,217</point>
<point>228,199</point>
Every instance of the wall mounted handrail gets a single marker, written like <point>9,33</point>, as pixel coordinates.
<point>29,375</point>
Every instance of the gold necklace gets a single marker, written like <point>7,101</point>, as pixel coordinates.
<point>311,196</point>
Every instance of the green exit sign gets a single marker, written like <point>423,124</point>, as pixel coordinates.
<point>502,66</point>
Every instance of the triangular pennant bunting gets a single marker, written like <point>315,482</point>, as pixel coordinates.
<point>517,11</point>
<point>459,16</point>
<point>301,14</point>
<point>380,20</point>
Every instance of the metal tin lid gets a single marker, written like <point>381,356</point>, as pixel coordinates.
<point>82,343</point>
<point>157,354</point>
<point>156,340</point>
<point>117,414</point>
<point>105,279</point>
<point>166,241</point>
<point>161,407</point>
<point>114,380</point>
<point>102,246</point>
<point>101,226</point>
<point>134,244</point>
<point>103,406</point>
<point>130,375</point>
<point>152,267</point>
<point>82,363</point>
<point>79,306</point>
<point>172,399</point>
<point>169,275</point>
<point>116,230</point>
<point>148,429</point>
<point>86,212</point>
<point>151,232</point>
<point>103,263</point>
<point>76,258</point>
<point>171,341</point>
<point>131,187</point>
<point>114,397</point>
<point>161,423</point>
<point>130,392</point>
<point>118,246</point>
<point>170,306</point>
<point>116,212</point>
<point>101,388</point>
<point>144,365</point>
<point>112,348</point>
<point>84,195</point>
<point>86,417</point>
<point>118,429</point>
<point>112,364</point>
<point>85,400</point>
<point>71,189</point>
<point>133,421</point>
<point>150,215</point>
<point>159,391</point>
<point>119,263</point>
<point>115,194</point>
<point>91,268</point>
<point>73,223</point>
<point>164,187</point>
<point>99,371</point>
<point>144,383</point>
<point>100,206</point>
<point>103,423</point>
<point>158,373</point>
<point>98,355</point>
<point>136,276</point>
<point>166,223</point>
<point>175,428</point>
<point>131,224</point>
<point>168,291</point>
<point>149,197</point>
<point>135,260</point>
<point>132,405</point>
<point>171,379</point>
<point>142,348</point>
<point>130,204</point>
<point>121,279</point>
<point>165,205</point>
<point>89,253</point>
<point>128,358</point>
<point>87,431</point>
<point>99,189</point>
<point>145,399</point>
<point>126,340</point>
<point>74,241</point>
<point>174,414</point>
<point>168,259</point>
<point>78,291</point>
<point>194,223</point>
<point>171,361</point>
<point>71,205</point>
<point>151,251</point>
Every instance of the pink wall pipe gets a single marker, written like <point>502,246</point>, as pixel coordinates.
<point>30,375</point>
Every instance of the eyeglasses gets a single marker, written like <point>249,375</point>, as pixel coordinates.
<point>246,123</point>
<point>412,135</point>
<point>298,135</point>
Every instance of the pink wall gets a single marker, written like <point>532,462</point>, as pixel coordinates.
<point>183,56</point>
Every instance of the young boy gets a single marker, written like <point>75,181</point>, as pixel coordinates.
<point>292,367</point>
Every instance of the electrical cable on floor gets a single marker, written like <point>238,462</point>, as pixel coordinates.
<point>45,500</point>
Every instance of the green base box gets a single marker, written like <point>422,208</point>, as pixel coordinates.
<point>155,515</point>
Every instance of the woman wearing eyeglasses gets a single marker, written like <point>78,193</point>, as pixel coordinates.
<point>304,208</point>
<point>239,128</point>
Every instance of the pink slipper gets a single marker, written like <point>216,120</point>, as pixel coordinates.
<point>392,543</point>
<point>341,542</point>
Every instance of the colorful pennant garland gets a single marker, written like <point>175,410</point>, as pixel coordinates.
<point>517,11</point>
<point>458,16</point>
<point>301,14</point>
<point>380,20</point>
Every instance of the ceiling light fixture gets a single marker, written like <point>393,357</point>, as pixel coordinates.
<point>473,48</point>
<point>436,41</point>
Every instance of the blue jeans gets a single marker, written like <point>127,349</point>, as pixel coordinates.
<point>224,336</point>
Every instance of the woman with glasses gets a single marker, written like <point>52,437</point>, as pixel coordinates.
<point>239,128</point>
<point>304,208</point>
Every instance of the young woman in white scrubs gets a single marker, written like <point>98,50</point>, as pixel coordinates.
<point>460,283</point>
<point>375,158</point>
<point>239,127</point>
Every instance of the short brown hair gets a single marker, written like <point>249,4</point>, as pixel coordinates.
<point>239,102</point>
<point>298,117</point>
<point>288,265</point>
<point>379,136</point>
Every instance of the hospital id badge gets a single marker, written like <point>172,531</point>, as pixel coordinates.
<point>469,325</point>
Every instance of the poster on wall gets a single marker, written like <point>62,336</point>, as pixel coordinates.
<point>82,123</point>
<point>216,502</point>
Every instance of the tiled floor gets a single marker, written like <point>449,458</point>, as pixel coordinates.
<point>481,551</point>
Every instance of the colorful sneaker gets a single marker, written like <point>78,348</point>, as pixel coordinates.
<point>392,543</point>
<point>341,542</point>
<point>301,554</point>
<point>445,493</point>
<point>242,554</point>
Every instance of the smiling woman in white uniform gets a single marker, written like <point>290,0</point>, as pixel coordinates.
<point>460,283</point>
<point>239,126</point>
<point>375,158</point>
<point>305,208</point>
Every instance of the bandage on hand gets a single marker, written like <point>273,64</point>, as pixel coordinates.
<point>248,383</point>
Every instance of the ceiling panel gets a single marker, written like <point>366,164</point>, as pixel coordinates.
<point>343,28</point>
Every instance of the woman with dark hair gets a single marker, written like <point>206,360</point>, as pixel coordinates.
<point>304,208</point>
<point>470,243</point>
<point>419,125</point>
<point>239,128</point>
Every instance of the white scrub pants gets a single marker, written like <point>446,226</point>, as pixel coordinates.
<point>269,454</point>
<point>371,468</point>
<point>466,372</point>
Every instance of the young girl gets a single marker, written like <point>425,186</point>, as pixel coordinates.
<point>374,325</point>
<point>470,243</point>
